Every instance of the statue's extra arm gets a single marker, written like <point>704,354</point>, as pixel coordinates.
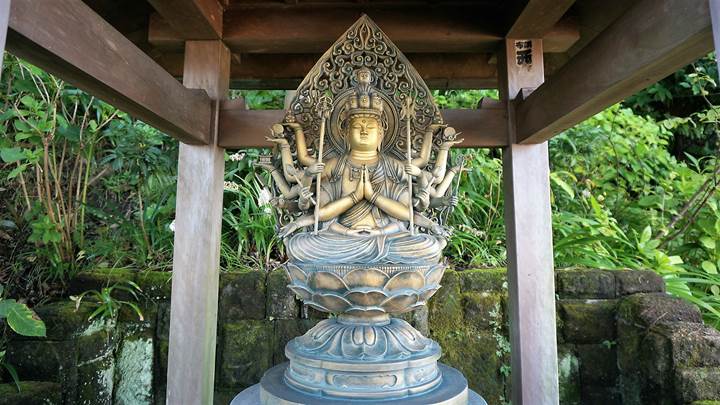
<point>337,207</point>
<point>302,153</point>
<point>391,207</point>
<point>422,160</point>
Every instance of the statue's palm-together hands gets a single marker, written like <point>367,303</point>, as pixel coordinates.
<point>368,190</point>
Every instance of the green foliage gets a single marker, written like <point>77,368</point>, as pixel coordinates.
<point>21,319</point>
<point>107,304</point>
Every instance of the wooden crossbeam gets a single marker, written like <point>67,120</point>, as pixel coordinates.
<point>538,17</point>
<point>240,128</point>
<point>650,41</point>
<point>195,19</point>
<point>286,71</point>
<point>67,39</point>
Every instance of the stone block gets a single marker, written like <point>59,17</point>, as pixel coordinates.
<point>247,352</point>
<point>43,360</point>
<point>99,344</point>
<point>482,309</point>
<point>599,374</point>
<point>99,279</point>
<point>155,285</point>
<point>445,311</point>
<point>706,403</point>
<point>64,322</point>
<point>592,284</point>
<point>163,320</point>
<point>654,309</point>
<point>95,382</point>
<point>161,361</point>
<point>588,321</point>
<point>569,375</point>
<point>418,319</point>
<point>31,393</point>
<point>693,344</point>
<point>478,357</point>
<point>694,384</point>
<point>134,368</point>
<point>223,397</point>
<point>637,281</point>
<point>281,301</point>
<point>489,280</point>
<point>242,296</point>
<point>284,331</point>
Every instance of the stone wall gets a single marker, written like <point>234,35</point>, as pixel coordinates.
<point>621,340</point>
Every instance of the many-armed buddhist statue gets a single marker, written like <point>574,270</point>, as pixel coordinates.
<point>363,182</point>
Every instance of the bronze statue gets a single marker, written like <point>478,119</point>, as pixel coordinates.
<point>362,176</point>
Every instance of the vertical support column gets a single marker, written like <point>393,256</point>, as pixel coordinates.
<point>4,18</point>
<point>528,224</point>
<point>196,255</point>
<point>715,17</point>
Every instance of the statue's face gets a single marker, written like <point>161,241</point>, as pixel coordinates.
<point>364,134</point>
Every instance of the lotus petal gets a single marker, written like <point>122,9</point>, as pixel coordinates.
<point>296,273</point>
<point>425,295</point>
<point>333,303</point>
<point>365,311</point>
<point>400,303</point>
<point>302,292</point>
<point>317,306</point>
<point>325,280</point>
<point>366,278</point>
<point>366,298</point>
<point>406,279</point>
<point>434,275</point>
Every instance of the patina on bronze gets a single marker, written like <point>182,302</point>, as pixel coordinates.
<point>362,179</point>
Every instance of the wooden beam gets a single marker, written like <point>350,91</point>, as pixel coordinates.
<point>650,41</point>
<point>715,17</point>
<point>4,17</point>
<point>67,39</point>
<point>194,19</point>
<point>289,30</point>
<point>241,128</point>
<point>538,17</point>
<point>196,253</point>
<point>286,71</point>
<point>528,224</point>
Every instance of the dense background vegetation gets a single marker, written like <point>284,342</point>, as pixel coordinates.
<point>85,186</point>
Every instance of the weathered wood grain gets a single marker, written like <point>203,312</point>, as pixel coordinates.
<point>196,253</point>
<point>528,225</point>
<point>538,17</point>
<point>650,41</point>
<point>68,39</point>
<point>193,19</point>
<point>241,128</point>
<point>4,17</point>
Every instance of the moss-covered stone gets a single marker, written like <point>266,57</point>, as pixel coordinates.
<point>694,384</point>
<point>31,393</point>
<point>99,344</point>
<point>637,281</point>
<point>95,382</point>
<point>242,296</point>
<point>481,309</point>
<point>568,375</point>
<point>483,279</point>
<point>581,283</point>
<point>281,301</point>
<point>162,320</point>
<point>692,344</point>
<point>599,374</point>
<point>247,353</point>
<point>161,361</point>
<point>155,285</point>
<point>284,330</point>
<point>445,311</point>
<point>587,322</point>
<point>134,369</point>
<point>63,321</point>
<point>43,361</point>
<point>705,403</point>
<point>475,354</point>
<point>99,279</point>
<point>418,319</point>
<point>223,397</point>
<point>655,309</point>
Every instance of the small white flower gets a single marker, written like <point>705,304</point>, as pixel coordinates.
<point>172,226</point>
<point>231,186</point>
<point>238,156</point>
<point>586,193</point>
<point>264,197</point>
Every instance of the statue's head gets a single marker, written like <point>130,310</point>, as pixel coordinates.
<point>364,112</point>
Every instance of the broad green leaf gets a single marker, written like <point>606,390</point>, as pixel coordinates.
<point>709,267</point>
<point>24,321</point>
<point>5,306</point>
<point>646,234</point>
<point>10,155</point>
<point>715,290</point>
<point>16,171</point>
<point>708,242</point>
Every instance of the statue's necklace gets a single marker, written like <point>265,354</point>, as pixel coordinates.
<point>356,169</point>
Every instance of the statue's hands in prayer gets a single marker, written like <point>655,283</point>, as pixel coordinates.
<point>367,185</point>
<point>412,170</point>
<point>359,192</point>
<point>315,168</point>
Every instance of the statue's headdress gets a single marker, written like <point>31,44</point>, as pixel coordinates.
<point>364,101</point>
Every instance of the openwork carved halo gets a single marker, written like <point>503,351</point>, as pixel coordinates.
<point>364,45</point>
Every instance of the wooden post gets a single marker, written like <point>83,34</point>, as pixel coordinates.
<point>528,225</point>
<point>715,17</point>
<point>196,256</point>
<point>4,18</point>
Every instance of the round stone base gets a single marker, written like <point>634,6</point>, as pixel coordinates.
<point>272,390</point>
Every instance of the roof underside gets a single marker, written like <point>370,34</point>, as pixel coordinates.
<point>274,43</point>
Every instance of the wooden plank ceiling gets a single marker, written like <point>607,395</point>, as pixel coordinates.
<point>274,43</point>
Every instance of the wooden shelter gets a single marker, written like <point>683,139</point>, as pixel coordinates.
<point>556,62</point>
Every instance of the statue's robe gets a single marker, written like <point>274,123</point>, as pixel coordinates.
<point>399,248</point>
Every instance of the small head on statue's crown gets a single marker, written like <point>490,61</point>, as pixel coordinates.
<point>365,101</point>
